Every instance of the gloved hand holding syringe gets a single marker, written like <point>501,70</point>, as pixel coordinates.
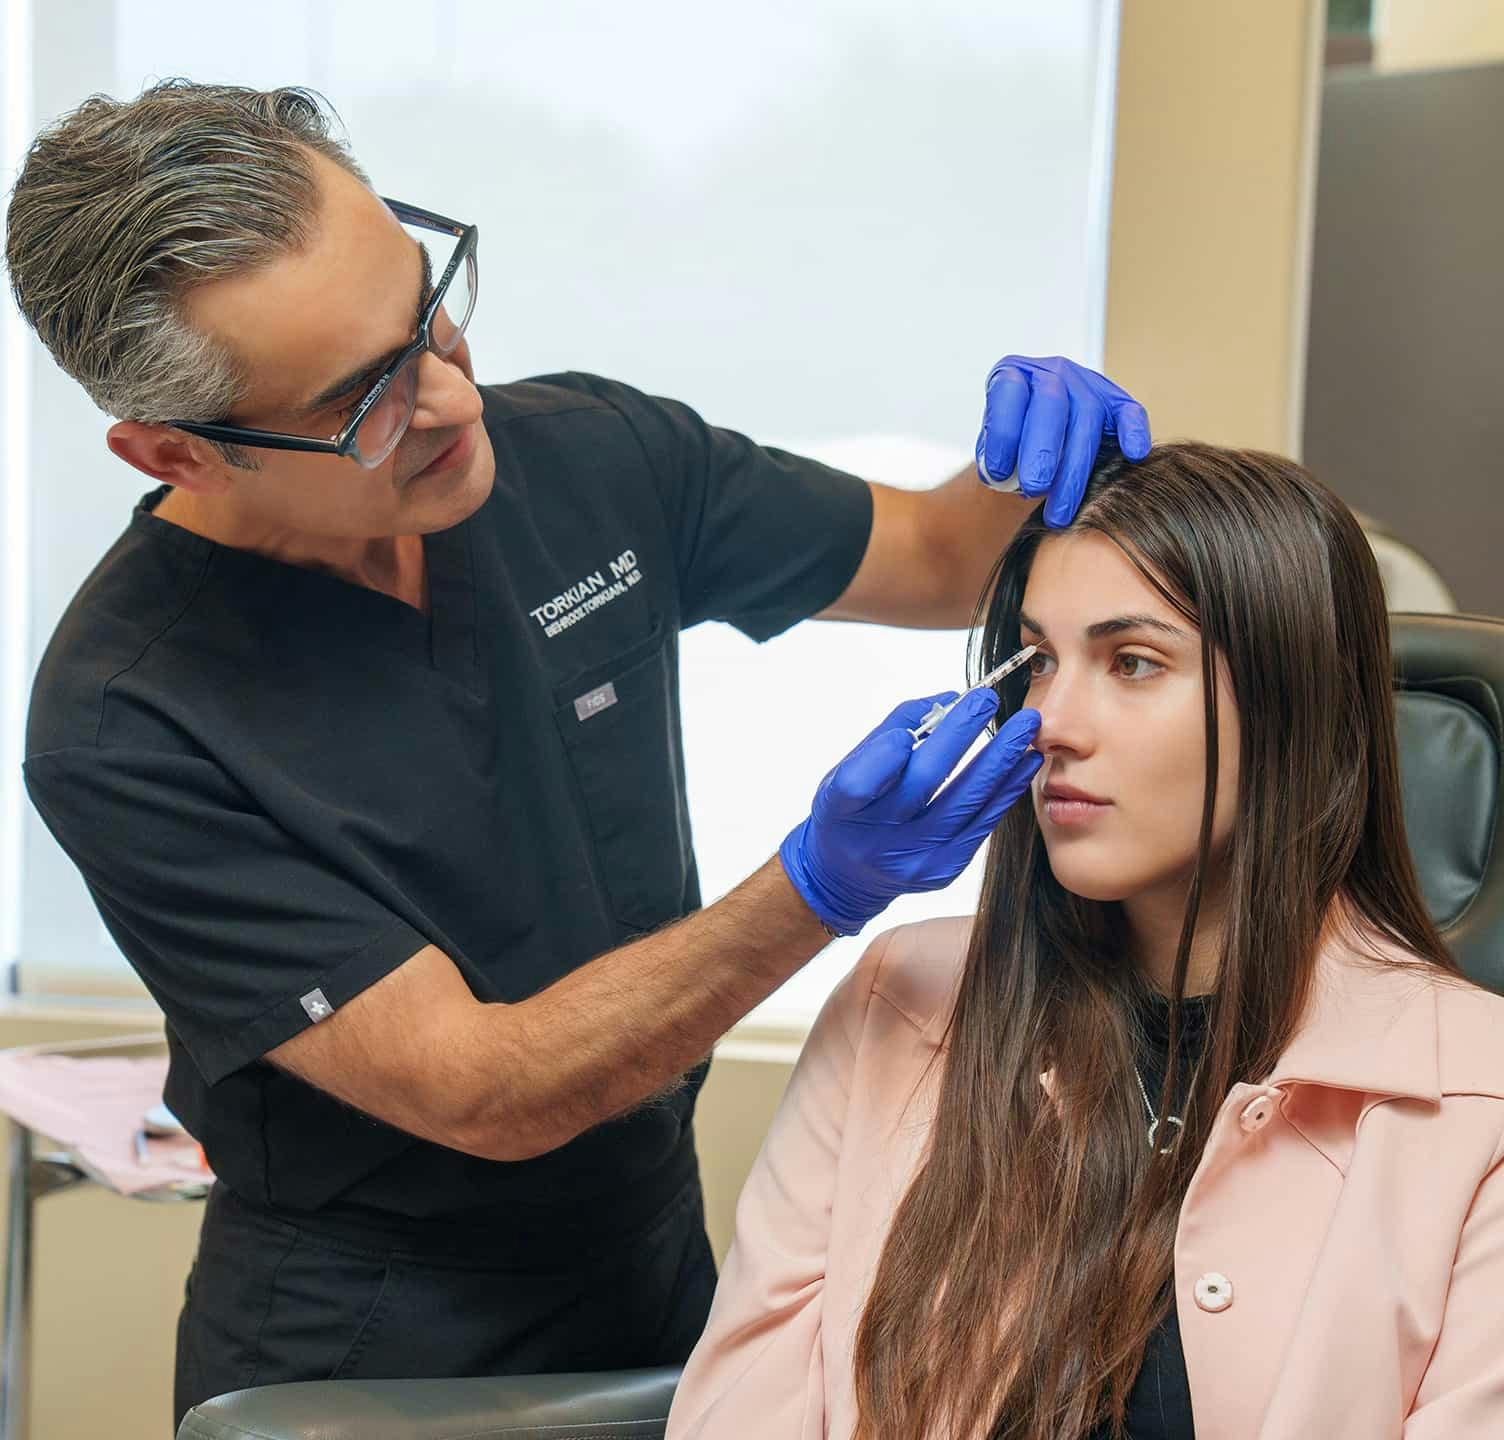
<point>889,819</point>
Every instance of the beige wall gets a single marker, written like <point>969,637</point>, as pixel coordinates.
<point>1431,34</point>
<point>1211,215</point>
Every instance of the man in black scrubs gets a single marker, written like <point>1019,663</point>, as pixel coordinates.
<point>369,751</point>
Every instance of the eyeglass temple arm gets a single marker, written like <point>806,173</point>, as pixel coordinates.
<point>262,439</point>
<point>403,211</point>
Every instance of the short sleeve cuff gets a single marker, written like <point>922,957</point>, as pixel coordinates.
<point>221,1055</point>
<point>838,507</point>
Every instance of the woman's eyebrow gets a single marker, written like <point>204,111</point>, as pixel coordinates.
<point>1114,626</point>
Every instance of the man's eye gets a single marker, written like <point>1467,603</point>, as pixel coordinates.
<point>1141,666</point>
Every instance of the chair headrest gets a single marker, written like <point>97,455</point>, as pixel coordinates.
<point>1449,711</point>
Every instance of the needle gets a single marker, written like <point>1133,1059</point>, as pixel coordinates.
<point>938,712</point>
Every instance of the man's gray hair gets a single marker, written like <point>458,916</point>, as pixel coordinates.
<point>123,207</point>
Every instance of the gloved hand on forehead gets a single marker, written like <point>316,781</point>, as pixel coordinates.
<point>878,830</point>
<point>1043,422</point>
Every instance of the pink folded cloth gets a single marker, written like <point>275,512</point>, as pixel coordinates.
<point>94,1106</point>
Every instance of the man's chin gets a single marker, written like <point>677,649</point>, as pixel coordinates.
<point>448,498</point>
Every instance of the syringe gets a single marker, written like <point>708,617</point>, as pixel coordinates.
<point>938,712</point>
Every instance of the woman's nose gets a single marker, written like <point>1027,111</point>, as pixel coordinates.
<point>1064,718</point>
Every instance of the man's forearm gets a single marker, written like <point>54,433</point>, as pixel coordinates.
<point>929,554</point>
<point>967,527</point>
<point>512,1080</point>
<point>618,1030</point>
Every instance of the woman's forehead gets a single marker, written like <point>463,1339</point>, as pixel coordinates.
<point>1082,578</point>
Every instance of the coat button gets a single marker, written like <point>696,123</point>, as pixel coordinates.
<point>1213,1292</point>
<point>1258,1112</point>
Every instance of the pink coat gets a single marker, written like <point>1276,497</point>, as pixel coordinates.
<point>1339,1264</point>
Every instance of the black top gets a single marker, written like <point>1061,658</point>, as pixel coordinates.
<point>279,786</point>
<point>1159,1405</point>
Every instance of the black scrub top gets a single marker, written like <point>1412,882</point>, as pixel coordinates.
<point>279,786</point>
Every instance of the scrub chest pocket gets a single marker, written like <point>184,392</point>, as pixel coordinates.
<point>619,722</point>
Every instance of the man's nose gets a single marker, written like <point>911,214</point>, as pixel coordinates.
<point>446,395</point>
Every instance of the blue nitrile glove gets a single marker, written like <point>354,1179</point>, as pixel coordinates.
<point>1046,418</point>
<point>877,829</point>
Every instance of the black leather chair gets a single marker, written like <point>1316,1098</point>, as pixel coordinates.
<point>624,1405</point>
<point>1449,704</point>
<point>1449,709</point>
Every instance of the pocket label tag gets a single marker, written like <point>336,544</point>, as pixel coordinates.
<point>603,697</point>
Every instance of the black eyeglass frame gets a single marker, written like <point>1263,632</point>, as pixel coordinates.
<point>344,442</point>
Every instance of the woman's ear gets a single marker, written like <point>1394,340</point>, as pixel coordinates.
<point>171,457</point>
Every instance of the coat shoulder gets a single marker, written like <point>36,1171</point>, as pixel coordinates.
<point>920,968</point>
<point>1469,1039</point>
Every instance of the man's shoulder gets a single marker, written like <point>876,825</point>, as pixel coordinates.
<point>555,396</point>
<point>142,584</point>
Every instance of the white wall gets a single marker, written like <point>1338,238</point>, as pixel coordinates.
<point>819,223</point>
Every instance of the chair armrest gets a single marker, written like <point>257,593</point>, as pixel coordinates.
<point>613,1405</point>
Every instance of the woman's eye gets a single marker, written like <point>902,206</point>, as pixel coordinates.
<point>1137,667</point>
<point>1037,662</point>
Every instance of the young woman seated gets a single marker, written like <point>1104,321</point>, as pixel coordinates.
<point>1195,1127</point>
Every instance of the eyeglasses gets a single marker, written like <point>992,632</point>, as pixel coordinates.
<point>381,418</point>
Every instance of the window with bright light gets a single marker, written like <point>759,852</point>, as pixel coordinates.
<point>818,223</point>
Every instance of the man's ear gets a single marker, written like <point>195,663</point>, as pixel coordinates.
<point>172,457</point>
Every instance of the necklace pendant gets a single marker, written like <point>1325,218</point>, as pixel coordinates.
<point>1174,1120</point>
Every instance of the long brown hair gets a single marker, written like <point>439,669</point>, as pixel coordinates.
<point>1033,1254</point>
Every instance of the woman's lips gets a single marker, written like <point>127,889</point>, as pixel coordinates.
<point>1066,805</point>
